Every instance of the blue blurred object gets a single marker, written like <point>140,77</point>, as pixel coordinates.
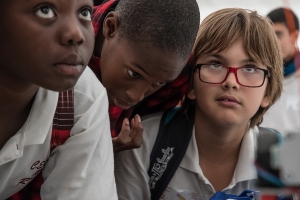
<point>246,195</point>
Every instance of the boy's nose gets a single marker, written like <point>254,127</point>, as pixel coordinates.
<point>71,34</point>
<point>231,81</point>
<point>137,93</point>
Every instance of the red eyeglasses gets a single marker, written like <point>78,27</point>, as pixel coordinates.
<point>247,76</point>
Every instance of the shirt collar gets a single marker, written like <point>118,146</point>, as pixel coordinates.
<point>40,119</point>
<point>245,166</point>
<point>35,129</point>
<point>190,160</point>
<point>245,169</point>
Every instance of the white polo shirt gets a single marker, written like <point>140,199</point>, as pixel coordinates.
<point>188,181</point>
<point>81,168</point>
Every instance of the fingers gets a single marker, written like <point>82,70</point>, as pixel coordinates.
<point>136,132</point>
<point>123,137</point>
<point>129,139</point>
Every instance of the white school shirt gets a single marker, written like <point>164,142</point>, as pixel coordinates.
<point>188,181</point>
<point>82,167</point>
<point>284,115</point>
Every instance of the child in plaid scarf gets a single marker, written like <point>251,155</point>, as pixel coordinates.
<point>141,53</point>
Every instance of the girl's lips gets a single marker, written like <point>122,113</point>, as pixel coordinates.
<point>71,65</point>
<point>69,69</point>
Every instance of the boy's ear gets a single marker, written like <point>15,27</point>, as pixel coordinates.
<point>191,94</point>
<point>265,101</point>
<point>111,25</point>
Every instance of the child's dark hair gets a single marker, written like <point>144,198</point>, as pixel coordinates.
<point>165,24</point>
<point>279,16</point>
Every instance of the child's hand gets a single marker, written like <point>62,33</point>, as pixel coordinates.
<point>129,138</point>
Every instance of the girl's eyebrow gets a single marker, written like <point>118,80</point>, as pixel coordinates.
<point>219,56</point>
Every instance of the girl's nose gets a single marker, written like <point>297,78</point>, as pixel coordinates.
<point>71,34</point>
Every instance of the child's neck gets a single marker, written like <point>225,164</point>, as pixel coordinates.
<point>218,149</point>
<point>15,107</point>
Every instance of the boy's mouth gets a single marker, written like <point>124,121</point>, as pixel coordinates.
<point>121,104</point>
<point>227,98</point>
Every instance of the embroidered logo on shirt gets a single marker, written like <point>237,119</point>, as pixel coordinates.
<point>36,167</point>
<point>161,165</point>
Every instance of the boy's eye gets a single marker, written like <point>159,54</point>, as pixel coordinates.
<point>161,84</point>
<point>85,14</point>
<point>133,73</point>
<point>45,12</point>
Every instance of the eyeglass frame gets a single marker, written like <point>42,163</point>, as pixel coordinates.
<point>234,71</point>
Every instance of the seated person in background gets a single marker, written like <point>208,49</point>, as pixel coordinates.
<point>284,116</point>
<point>237,77</point>
<point>140,54</point>
<point>53,144</point>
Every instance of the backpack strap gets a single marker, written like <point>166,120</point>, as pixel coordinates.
<point>173,138</point>
<point>267,175</point>
<point>63,122</point>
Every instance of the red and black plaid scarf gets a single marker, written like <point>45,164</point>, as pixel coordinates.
<point>167,97</point>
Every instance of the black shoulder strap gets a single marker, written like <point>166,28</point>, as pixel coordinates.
<point>173,138</point>
<point>267,176</point>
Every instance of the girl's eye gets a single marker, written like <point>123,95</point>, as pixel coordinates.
<point>216,66</point>
<point>250,69</point>
<point>161,84</point>
<point>46,12</point>
<point>85,14</point>
<point>133,73</point>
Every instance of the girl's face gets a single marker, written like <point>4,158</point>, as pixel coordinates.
<point>228,104</point>
<point>45,43</point>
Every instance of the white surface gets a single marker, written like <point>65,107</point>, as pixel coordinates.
<point>263,7</point>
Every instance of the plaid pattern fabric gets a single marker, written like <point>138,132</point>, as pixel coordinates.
<point>167,97</point>
<point>63,122</point>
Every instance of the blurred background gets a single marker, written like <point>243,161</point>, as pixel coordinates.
<point>263,7</point>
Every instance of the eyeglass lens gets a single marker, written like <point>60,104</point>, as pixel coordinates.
<point>247,76</point>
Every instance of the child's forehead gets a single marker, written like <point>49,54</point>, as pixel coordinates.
<point>220,55</point>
